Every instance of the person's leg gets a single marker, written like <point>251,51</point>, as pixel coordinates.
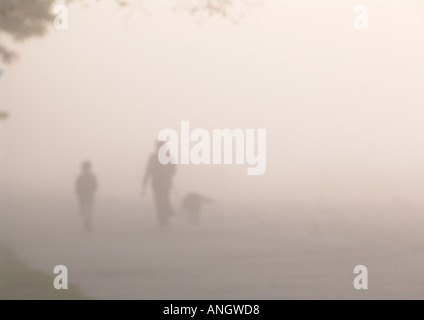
<point>190,216</point>
<point>196,216</point>
<point>82,210</point>
<point>89,214</point>
<point>161,210</point>
<point>85,213</point>
<point>167,202</point>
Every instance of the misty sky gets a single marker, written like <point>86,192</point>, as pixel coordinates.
<point>343,108</point>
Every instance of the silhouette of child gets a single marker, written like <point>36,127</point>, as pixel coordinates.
<point>86,187</point>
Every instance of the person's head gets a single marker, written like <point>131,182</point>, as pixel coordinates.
<point>86,166</point>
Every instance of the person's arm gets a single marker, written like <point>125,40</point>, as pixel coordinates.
<point>147,176</point>
<point>208,200</point>
<point>95,185</point>
<point>77,186</point>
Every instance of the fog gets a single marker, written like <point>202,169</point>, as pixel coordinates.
<point>343,110</point>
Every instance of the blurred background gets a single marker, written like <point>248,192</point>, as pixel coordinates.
<point>343,110</point>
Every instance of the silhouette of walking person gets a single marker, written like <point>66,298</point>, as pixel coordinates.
<point>86,187</point>
<point>192,202</point>
<point>161,180</point>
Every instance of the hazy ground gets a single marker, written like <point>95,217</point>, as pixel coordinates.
<point>236,253</point>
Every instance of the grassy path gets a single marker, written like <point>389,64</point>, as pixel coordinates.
<point>19,282</point>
